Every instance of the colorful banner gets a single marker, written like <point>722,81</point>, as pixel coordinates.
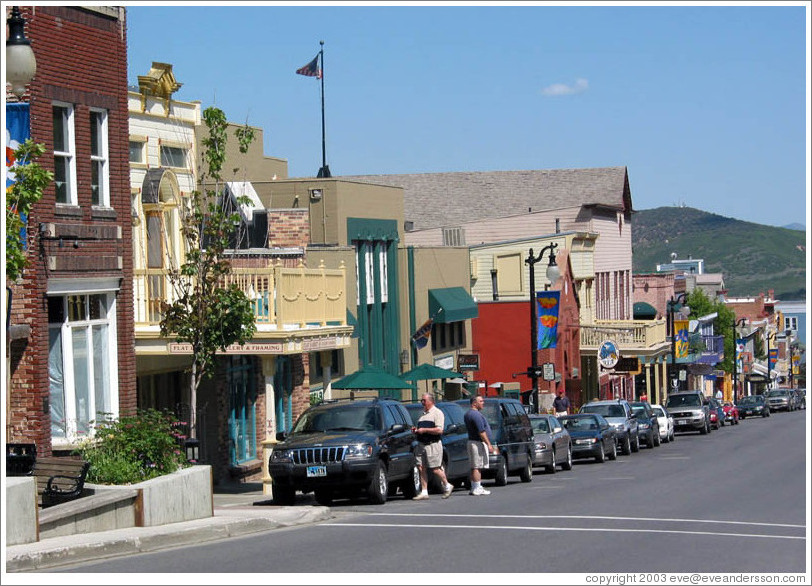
<point>18,130</point>
<point>773,358</point>
<point>547,303</point>
<point>681,338</point>
<point>739,352</point>
<point>421,337</point>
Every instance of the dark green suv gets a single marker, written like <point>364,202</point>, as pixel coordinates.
<point>346,447</point>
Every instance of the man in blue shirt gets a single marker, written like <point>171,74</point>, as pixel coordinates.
<point>479,443</point>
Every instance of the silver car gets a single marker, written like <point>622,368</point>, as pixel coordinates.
<point>553,445</point>
<point>781,400</point>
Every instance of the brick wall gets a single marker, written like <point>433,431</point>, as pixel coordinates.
<point>288,227</point>
<point>81,60</point>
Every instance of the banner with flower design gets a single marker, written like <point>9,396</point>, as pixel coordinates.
<point>547,303</point>
<point>681,338</point>
<point>18,130</point>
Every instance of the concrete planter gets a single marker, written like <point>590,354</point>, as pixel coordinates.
<point>21,510</point>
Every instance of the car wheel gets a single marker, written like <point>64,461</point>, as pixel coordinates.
<point>551,469</point>
<point>501,472</point>
<point>526,473</point>
<point>627,446</point>
<point>635,444</point>
<point>613,453</point>
<point>567,465</point>
<point>379,485</point>
<point>411,486</point>
<point>657,438</point>
<point>284,495</point>
<point>601,457</point>
<point>705,429</point>
<point>673,435</point>
<point>324,496</point>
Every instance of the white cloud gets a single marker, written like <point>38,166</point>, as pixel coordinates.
<point>562,89</point>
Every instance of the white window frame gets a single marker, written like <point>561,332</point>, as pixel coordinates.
<point>791,323</point>
<point>102,159</point>
<point>69,138</point>
<point>183,149</point>
<point>141,141</point>
<point>384,270</point>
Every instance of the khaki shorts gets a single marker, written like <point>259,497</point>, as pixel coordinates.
<point>429,455</point>
<point>477,454</point>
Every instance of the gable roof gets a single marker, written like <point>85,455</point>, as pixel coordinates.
<point>435,199</point>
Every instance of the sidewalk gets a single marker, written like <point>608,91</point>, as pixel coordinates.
<point>238,510</point>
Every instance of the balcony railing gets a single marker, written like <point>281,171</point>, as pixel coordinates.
<point>627,334</point>
<point>283,298</point>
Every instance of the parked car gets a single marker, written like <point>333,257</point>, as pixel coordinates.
<point>665,422</point>
<point>690,411</point>
<point>800,398</point>
<point>753,406</point>
<point>346,447</point>
<point>553,443</point>
<point>592,436</point>
<point>513,437</point>
<point>455,443</point>
<point>619,414</point>
<point>781,400</point>
<point>648,427</point>
<point>731,413</point>
<point>717,413</point>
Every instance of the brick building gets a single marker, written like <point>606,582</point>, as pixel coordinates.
<point>72,354</point>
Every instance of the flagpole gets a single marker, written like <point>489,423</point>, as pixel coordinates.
<point>325,170</point>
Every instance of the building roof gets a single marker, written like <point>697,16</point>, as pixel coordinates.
<point>433,200</point>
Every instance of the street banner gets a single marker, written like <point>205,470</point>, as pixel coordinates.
<point>681,338</point>
<point>421,337</point>
<point>547,304</point>
<point>18,130</point>
<point>773,358</point>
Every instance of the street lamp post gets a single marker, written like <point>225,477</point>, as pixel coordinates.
<point>21,65</point>
<point>672,303</point>
<point>741,322</point>
<point>553,273</point>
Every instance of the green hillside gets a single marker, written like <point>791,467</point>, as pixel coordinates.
<point>752,258</point>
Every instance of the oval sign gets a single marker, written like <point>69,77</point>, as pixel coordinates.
<point>608,354</point>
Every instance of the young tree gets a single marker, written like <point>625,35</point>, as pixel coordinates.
<point>30,181</point>
<point>701,305</point>
<point>206,314</point>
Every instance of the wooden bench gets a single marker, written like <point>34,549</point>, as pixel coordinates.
<point>60,480</point>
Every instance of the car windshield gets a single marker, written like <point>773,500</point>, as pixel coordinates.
<point>639,411</point>
<point>751,400</point>
<point>605,410</point>
<point>683,401</point>
<point>777,393</point>
<point>579,423</point>
<point>342,418</point>
<point>658,411</point>
<point>541,425</point>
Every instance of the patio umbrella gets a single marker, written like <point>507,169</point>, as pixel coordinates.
<point>371,378</point>
<point>429,372</point>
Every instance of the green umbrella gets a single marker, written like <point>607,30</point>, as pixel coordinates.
<point>371,377</point>
<point>427,371</point>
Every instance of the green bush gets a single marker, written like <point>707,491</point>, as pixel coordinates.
<point>134,448</point>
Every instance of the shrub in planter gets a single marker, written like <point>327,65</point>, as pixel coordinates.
<point>133,448</point>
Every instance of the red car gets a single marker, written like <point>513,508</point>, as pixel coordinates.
<point>731,413</point>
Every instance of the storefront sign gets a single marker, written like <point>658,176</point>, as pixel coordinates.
<point>468,362</point>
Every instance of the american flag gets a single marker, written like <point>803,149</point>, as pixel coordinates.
<point>311,69</point>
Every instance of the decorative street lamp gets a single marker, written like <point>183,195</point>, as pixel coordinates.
<point>672,304</point>
<point>736,324</point>
<point>553,274</point>
<point>21,65</point>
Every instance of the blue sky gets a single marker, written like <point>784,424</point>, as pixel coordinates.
<point>706,105</point>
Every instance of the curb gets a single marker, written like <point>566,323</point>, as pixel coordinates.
<point>59,551</point>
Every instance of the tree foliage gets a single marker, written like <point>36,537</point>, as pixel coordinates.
<point>205,313</point>
<point>30,181</point>
<point>701,305</point>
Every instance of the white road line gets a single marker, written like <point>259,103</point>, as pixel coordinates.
<point>585,529</point>
<point>604,518</point>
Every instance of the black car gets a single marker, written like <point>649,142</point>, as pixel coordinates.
<point>513,436</point>
<point>455,443</point>
<point>753,406</point>
<point>346,447</point>
<point>592,436</point>
<point>648,427</point>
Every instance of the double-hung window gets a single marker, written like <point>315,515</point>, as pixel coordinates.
<point>99,158</point>
<point>82,365</point>
<point>64,154</point>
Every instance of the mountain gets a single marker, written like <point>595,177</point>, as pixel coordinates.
<point>753,258</point>
<point>795,226</point>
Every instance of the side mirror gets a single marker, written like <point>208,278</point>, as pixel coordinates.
<point>280,436</point>
<point>397,428</point>
<point>556,430</point>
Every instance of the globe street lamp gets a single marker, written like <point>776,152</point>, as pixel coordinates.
<point>672,304</point>
<point>21,65</point>
<point>736,324</point>
<point>553,273</point>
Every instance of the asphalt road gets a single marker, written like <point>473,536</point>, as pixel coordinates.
<point>733,501</point>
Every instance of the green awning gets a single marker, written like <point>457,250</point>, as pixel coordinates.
<point>451,304</point>
<point>643,310</point>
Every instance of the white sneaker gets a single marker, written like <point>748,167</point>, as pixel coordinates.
<point>423,496</point>
<point>480,492</point>
<point>449,488</point>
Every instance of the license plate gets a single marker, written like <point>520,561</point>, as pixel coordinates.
<point>682,422</point>
<point>316,471</point>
